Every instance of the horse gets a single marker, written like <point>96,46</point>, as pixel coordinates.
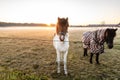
<point>94,40</point>
<point>61,42</point>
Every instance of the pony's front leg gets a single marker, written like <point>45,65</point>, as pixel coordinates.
<point>91,55</point>
<point>65,62</point>
<point>97,58</point>
<point>85,52</point>
<point>58,62</point>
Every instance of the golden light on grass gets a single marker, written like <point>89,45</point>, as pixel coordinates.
<point>31,51</point>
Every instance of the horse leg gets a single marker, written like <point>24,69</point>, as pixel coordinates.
<point>58,62</point>
<point>85,52</point>
<point>65,62</point>
<point>91,55</point>
<point>97,58</point>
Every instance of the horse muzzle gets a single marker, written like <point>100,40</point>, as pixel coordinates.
<point>62,37</point>
<point>110,46</point>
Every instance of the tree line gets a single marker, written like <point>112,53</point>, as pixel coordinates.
<point>3,24</point>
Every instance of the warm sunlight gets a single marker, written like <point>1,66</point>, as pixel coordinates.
<point>48,24</point>
<point>47,11</point>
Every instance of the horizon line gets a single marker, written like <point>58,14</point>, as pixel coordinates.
<point>55,23</point>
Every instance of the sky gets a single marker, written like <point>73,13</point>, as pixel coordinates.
<point>79,12</point>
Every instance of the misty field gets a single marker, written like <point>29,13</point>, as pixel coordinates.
<point>28,54</point>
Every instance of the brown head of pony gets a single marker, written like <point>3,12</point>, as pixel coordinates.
<point>62,28</point>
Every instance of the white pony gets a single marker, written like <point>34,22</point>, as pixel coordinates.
<point>61,43</point>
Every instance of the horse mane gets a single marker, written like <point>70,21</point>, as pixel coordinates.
<point>63,22</point>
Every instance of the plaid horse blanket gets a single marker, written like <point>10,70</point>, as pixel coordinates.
<point>94,40</point>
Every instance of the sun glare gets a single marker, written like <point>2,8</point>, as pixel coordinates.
<point>48,24</point>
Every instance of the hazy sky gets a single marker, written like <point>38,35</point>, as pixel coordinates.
<point>47,11</point>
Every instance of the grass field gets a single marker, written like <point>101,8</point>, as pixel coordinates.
<point>28,54</point>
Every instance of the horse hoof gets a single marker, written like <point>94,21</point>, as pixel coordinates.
<point>98,63</point>
<point>91,62</point>
<point>58,72</point>
<point>66,75</point>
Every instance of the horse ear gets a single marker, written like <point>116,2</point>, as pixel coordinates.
<point>58,18</point>
<point>67,18</point>
<point>116,29</point>
<point>67,21</point>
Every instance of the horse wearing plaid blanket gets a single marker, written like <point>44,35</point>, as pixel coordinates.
<point>94,40</point>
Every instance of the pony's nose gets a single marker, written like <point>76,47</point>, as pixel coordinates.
<point>62,38</point>
<point>110,46</point>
